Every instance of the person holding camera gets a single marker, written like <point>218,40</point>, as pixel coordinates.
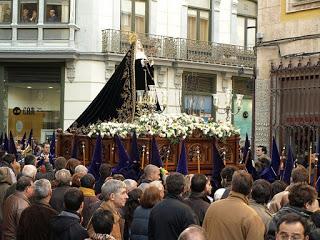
<point>43,165</point>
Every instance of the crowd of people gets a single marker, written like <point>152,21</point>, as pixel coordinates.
<point>45,198</point>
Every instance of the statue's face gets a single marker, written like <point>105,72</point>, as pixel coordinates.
<point>139,45</point>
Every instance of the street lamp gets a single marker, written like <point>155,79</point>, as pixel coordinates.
<point>227,108</point>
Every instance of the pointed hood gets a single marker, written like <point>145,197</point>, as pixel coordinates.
<point>218,165</point>
<point>275,157</point>
<point>288,167</point>
<point>12,145</point>
<point>29,142</point>
<point>155,155</point>
<point>124,159</point>
<point>74,153</point>
<point>135,157</point>
<point>97,159</point>
<point>183,164</point>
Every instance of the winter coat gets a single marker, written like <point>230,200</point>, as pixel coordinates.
<point>139,225</point>
<point>118,226</point>
<point>34,222</point>
<point>169,218</point>
<point>288,209</point>
<point>198,205</point>
<point>5,182</point>
<point>66,226</point>
<point>13,207</point>
<point>57,198</point>
<point>233,219</point>
<point>89,206</point>
<point>262,211</point>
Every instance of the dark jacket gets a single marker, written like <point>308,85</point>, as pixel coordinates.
<point>139,225</point>
<point>89,206</point>
<point>169,218</point>
<point>198,205</point>
<point>66,226</point>
<point>49,174</point>
<point>57,198</point>
<point>288,209</point>
<point>98,185</point>
<point>34,222</point>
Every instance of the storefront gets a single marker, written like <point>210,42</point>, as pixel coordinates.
<point>32,96</point>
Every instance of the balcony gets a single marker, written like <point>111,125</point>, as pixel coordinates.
<point>116,41</point>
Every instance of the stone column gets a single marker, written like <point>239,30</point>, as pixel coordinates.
<point>216,17</point>
<point>224,80</point>
<point>262,96</point>
<point>4,101</point>
<point>234,24</point>
<point>81,76</point>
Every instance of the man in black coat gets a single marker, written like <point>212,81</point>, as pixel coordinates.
<point>171,216</point>
<point>63,178</point>
<point>196,200</point>
<point>66,226</point>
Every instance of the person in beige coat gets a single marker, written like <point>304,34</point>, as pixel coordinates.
<point>115,196</point>
<point>232,218</point>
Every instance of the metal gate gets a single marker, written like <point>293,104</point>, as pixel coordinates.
<point>295,106</point>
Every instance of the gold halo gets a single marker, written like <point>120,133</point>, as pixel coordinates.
<point>132,37</point>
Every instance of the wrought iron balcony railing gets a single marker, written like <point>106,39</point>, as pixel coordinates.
<point>116,41</point>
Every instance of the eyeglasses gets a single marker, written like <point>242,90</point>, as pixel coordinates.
<point>285,236</point>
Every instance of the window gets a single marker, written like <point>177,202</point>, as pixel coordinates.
<point>246,29</point>
<point>197,94</point>
<point>133,16</point>
<point>5,11</point>
<point>28,11</point>
<point>198,24</point>
<point>35,89</point>
<point>57,11</point>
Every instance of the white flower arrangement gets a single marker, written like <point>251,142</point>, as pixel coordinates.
<point>167,126</point>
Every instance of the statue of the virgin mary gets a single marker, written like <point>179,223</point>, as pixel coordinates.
<point>117,99</point>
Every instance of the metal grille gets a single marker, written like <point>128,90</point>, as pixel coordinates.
<point>295,110</point>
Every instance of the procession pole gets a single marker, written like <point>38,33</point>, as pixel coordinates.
<point>83,153</point>
<point>143,152</point>
<point>167,158</point>
<point>198,159</point>
<point>310,167</point>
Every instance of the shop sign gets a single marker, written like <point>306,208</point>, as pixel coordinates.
<point>25,110</point>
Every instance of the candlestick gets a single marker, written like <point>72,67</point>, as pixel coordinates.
<point>143,152</point>
<point>310,168</point>
<point>167,158</point>
<point>198,158</point>
<point>83,152</point>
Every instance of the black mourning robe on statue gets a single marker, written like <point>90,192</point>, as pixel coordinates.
<point>117,98</point>
<point>143,75</point>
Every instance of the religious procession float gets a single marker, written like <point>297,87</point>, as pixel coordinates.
<point>126,121</point>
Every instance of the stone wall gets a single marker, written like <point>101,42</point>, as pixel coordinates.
<point>285,36</point>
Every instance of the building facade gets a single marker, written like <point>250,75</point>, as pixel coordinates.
<point>288,69</point>
<point>56,55</point>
